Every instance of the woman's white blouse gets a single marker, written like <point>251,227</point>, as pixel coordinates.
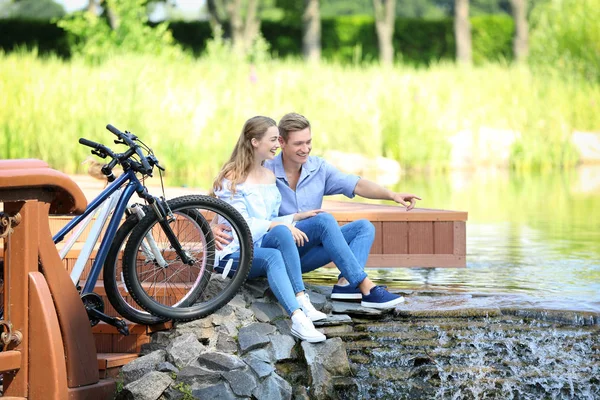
<point>258,204</point>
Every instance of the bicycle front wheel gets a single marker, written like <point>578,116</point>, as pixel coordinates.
<point>114,282</point>
<point>162,283</point>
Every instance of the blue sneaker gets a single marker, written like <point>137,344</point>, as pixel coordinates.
<point>381,298</point>
<point>345,293</point>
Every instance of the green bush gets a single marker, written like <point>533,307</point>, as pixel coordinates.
<point>492,38</point>
<point>44,36</point>
<point>566,34</point>
<point>420,41</point>
<point>345,39</point>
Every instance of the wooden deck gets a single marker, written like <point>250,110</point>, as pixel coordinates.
<point>420,237</point>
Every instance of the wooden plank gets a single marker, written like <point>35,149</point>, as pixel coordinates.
<point>416,261</point>
<point>443,237</point>
<point>395,237</point>
<point>104,342</point>
<point>10,360</point>
<point>377,247</point>
<point>460,238</point>
<point>113,360</point>
<point>124,344</point>
<point>420,237</point>
<point>350,211</point>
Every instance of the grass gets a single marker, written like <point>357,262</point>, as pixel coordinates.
<point>191,111</point>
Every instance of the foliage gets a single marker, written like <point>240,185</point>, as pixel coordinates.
<point>190,111</point>
<point>566,34</point>
<point>45,37</point>
<point>346,39</point>
<point>95,39</point>
<point>492,38</point>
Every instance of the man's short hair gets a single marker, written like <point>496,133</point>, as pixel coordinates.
<point>292,122</point>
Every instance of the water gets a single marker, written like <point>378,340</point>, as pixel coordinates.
<point>535,237</point>
<point>453,358</point>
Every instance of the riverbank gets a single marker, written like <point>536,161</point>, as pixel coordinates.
<point>434,345</point>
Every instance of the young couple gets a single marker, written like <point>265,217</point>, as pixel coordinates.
<point>280,196</point>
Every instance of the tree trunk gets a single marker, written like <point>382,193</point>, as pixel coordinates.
<point>521,40</point>
<point>251,25</point>
<point>385,17</point>
<point>462,32</point>
<point>215,21</point>
<point>311,35</point>
<point>91,7</point>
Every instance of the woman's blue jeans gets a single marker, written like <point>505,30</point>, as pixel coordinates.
<point>347,246</point>
<point>278,260</point>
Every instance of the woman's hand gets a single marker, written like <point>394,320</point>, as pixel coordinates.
<point>307,214</point>
<point>299,237</point>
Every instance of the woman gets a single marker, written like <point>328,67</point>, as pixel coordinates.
<point>249,187</point>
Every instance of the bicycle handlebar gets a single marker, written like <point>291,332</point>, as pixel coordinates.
<point>128,139</point>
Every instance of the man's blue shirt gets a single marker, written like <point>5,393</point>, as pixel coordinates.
<point>318,178</point>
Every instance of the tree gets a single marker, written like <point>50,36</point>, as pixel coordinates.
<point>311,31</point>
<point>521,40</point>
<point>244,24</point>
<point>34,9</point>
<point>385,17</point>
<point>462,32</point>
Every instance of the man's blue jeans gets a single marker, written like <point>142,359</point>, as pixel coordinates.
<point>278,260</point>
<point>347,246</point>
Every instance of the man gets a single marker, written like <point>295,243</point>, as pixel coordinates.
<point>303,180</point>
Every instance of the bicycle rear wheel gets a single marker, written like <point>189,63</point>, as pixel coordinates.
<point>167,287</point>
<point>114,283</point>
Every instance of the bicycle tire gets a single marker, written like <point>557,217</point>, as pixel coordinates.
<point>114,288</point>
<point>196,302</point>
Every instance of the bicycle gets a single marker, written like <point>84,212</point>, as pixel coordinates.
<point>177,244</point>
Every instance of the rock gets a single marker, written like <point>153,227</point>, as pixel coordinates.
<point>257,288</point>
<point>219,391</point>
<point>226,344</point>
<point>254,336</point>
<point>284,326</point>
<point>184,350</point>
<point>260,362</point>
<point>167,367</point>
<point>325,361</point>
<point>223,314</point>
<point>282,347</point>
<point>487,147</point>
<point>220,361</point>
<point>331,331</point>
<point>273,387</point>
<point>331,354</point>
<point>151,347</point>
<point>197,376</point>
<point>161,337</point>
<point>341,307</point>
<point>318,300</point>
<point>334,320</point>
<point>141,366</point>
<point>149,387</point>
<point>242,382</point>
<point>267,312</point>
<point>202,328</point>
<point>588,146</point>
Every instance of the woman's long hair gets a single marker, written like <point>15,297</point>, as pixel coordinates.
<point>238,167</point>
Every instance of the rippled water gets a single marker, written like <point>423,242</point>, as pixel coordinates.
<point>535,237</point>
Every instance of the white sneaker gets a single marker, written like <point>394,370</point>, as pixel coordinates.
<point>303,329</point>
<point>311,312</point>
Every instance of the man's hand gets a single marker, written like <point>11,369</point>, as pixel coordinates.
<point>222,238</point>
<point>307,214</point>
<point>406,199</point>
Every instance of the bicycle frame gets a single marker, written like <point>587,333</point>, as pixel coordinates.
<point>122,189</point>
